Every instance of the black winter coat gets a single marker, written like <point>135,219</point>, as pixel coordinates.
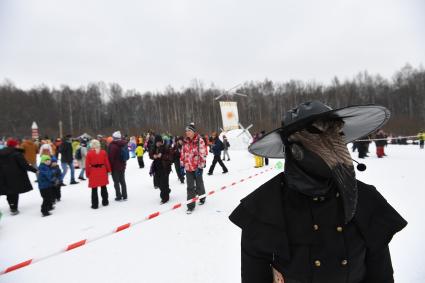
<point>380,142</point>
<point>13,172</point>
<point>65,150</point>
<point>162,164</point>
<point>307,241</point>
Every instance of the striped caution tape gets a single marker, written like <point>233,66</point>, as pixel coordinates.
<point>123,227</point>
<point>390,138</point>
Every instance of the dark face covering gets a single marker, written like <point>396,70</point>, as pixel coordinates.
<point>307,172</point>
<point>317,159</point>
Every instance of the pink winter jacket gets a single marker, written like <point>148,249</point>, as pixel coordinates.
<point>193,154</point>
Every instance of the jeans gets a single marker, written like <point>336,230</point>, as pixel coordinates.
<point>177,167</point>
<point>192,190</point>
<point>83,170</point>
<point>226,153</point>
<point>64,166</point>
<point>119,180</point>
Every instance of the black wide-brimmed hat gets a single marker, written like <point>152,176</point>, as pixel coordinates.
<point>359,121</point>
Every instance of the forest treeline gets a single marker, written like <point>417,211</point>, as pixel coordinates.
<point>99,108</point>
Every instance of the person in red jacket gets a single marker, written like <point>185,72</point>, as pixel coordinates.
<point>97,169</point>
<point>193,159</point>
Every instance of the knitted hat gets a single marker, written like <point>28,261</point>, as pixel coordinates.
<point>191,127</point>
<point>116,135</point>
<point>44,158</point>
<point>12,143</point>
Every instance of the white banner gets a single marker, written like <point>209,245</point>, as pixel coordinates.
<point>229,114</point>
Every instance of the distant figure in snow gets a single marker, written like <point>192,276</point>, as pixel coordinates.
<point>216,148</point>
<point>118,156</point>
<point>226,145</point>
<point>139,153</point>
<point>380,142</point>
<point>97,169</point>
<point>67,158</point>
<point>421,138</point>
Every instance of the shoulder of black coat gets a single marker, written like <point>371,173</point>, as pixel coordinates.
<point>263,205</point>
<point>376,219</point>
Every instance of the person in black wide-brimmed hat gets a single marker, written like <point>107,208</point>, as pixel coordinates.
<point>316,222</point>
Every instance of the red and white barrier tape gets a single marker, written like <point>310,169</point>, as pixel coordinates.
<point>391,138</point>
<point>123,227</point>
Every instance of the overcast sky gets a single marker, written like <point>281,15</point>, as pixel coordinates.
<point>147,45</point>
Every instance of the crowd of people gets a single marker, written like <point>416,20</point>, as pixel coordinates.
<point>381,140</point>
<point>99,157</point>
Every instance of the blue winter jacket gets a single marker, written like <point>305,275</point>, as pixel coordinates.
<point>217,147</point>
<point>45,177</point>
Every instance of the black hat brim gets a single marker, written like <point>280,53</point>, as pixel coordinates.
<point>358,120</point>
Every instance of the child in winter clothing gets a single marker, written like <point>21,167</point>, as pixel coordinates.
<point>162,159</point>
<point>139,153</point>
<point>45,184</point>
<point>176,151</point>
<point>57,179</point>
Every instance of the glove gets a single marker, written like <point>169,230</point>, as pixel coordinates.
<point>198,172</point>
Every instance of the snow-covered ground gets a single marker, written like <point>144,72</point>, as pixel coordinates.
<point>175,247</point>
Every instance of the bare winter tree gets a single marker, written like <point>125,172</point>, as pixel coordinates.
<point>100,108</point>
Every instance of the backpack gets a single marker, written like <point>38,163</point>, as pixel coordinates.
<point>78,154</point>
<point>124,153</point>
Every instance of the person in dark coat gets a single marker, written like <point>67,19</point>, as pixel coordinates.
<point>380,142</point>
<point>216,148</point>
<point>67,158</point>
<point>150,145</point>
<point>13,174</point>
<point>162,160</point>
<point>362,146</point>
<point>315,222</point>
<point>176,150</point>
<point>118,166</point>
